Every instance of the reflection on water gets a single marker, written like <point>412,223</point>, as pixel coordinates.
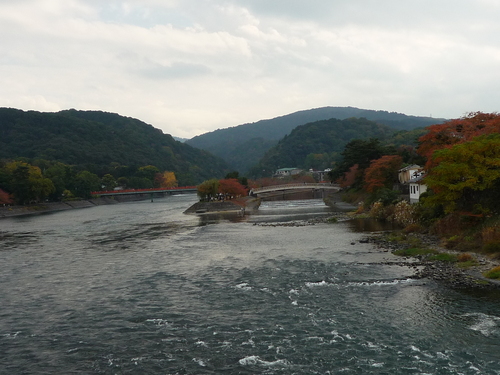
<point>372,225</point>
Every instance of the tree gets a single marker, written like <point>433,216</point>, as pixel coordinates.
<point>63,178</point>
<point>382,172</point>
<point>86,182</point>
<point>360,152</point>
<point>166,180</point>
<point>27,183</point>
<point>232,187</point>
<point>208,189</point>
<point>467,175</point>
<point>5,197</point>
<point>349,177</point>
<point>108,182</point>
<point>148,171</point>
<point>455,132</point>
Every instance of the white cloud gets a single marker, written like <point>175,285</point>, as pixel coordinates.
<point>192,66</point>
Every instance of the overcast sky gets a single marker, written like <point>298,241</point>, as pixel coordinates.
<point>192,66</point>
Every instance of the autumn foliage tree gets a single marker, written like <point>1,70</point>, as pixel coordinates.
<point>456,131</point>
<point>467,176</point>
<point>382,172</point>
<point>349,178</point>
<point>165,180</point>
<point>5,198</point>
<point>232,187</point>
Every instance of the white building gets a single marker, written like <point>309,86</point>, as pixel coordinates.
<point>284,172</point>
<point>417,188</point>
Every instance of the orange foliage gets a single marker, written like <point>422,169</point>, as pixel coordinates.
<point>165,180</point>
<point>456,131</point>
<point>382,172</point>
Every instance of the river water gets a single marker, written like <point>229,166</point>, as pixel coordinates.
<point>141,288</point>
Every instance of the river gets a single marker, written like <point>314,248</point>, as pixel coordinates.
<point>141,288</point>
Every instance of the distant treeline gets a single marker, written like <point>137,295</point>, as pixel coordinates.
<point>101,143</point>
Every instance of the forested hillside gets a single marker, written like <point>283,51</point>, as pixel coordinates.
<point>244,145</point>
<point>319,144</point>
<point>96,140</point>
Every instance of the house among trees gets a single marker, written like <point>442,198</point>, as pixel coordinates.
<point>407,173</point>
<point>417,187</point>
<point>285,172</point>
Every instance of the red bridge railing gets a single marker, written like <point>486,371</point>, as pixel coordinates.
<point>142,191</point>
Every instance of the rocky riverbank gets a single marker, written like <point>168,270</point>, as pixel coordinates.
<point>470,276</point>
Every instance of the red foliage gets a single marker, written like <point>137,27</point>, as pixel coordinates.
<point>382,172</point>
<point>349,177</point>
<point>456,131</point>
<point>232,187</point>
<point>5,198</point>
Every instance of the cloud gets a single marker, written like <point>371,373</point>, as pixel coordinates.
<point>192,66</point>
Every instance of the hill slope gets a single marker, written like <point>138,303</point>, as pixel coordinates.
<point>318,144</point>
<point>100,138</point>
<point>242,146</point>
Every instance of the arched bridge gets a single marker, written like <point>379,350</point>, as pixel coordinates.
<point>286,187</point>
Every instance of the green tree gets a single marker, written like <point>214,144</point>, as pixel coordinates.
<point>86,182</point>
<point>27,183</point>
<point>108,182</point>
<point>63,178</point>
<point>20,184</point>
<point>467,176</point>
<point>148,171</point>
<point>208,189</point>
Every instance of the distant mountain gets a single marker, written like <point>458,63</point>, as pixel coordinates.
<point>316,145</point>
<point>244,145</point>
<point>98,139</point>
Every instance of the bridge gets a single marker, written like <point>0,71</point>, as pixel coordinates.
<point>171,190</point>
<point>287,187</point>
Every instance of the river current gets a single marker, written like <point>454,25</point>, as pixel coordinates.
<point>141,288</point>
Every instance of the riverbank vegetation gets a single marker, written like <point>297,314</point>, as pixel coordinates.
<point>461,160</point>
<point>94,144</point>
<point>23,182</point>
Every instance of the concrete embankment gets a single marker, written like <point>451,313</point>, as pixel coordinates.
<point>244,205</point>
<point>10,211</point>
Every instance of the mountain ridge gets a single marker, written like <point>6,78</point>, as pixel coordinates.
<point>98,139</point>
<point>231,143</point>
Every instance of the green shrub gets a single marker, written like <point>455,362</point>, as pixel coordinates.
<point>493,273</point>
<point>414,251</point>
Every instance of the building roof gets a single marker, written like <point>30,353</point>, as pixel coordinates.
<point>286,169</point>
<point>410,167</point>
